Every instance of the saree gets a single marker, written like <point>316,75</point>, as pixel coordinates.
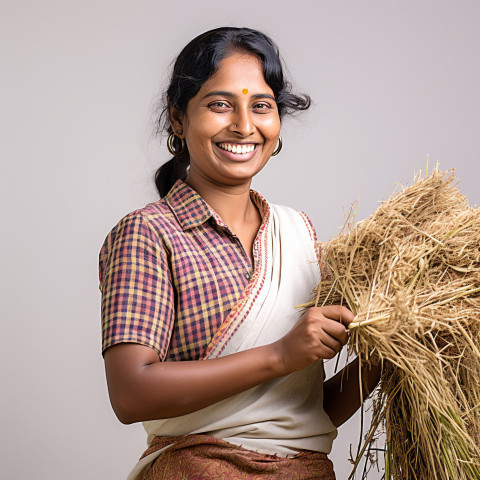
<point>283,416</point>
<point>201,457</point>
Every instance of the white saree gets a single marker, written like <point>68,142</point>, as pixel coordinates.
<point>281,416</point>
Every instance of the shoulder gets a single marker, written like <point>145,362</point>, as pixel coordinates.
<point>140,233</point>
<point>299,218</point>
<point>150,221</point>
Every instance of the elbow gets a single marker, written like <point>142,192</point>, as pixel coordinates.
<point>133,408</point>
<point>125,409</point>
<point>125,417</point>
<point>332,414</point>
<point>129,384</point>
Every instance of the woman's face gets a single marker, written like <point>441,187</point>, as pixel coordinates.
<point>231,126</point>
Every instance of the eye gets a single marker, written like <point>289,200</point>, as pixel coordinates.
<point>218,106</point>
<point>262,107</point>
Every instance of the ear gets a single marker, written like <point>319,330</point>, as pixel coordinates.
<point>176,121</point>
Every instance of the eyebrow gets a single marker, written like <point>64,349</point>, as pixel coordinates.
<point>223,93</point>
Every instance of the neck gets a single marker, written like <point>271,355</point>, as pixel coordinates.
<point>231,203</point>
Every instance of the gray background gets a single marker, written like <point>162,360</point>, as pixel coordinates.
<point>391,81</point>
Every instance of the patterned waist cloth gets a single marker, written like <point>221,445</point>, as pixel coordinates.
<point>201,457</point>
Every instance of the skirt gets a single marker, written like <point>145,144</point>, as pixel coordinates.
<point>202,457</point>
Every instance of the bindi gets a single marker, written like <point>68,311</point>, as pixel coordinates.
<point>245,91</point>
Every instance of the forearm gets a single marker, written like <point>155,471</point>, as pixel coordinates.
<point>342,393</point>
<point>142,387</point>
<point>169,389</point>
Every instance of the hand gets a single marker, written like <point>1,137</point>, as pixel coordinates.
<point>319,334</point>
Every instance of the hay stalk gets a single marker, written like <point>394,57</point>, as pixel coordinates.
<point>411,275</point>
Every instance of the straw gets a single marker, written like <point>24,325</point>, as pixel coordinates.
<point>411,275</point>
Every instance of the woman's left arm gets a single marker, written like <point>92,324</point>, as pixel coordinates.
<point>341,393</point>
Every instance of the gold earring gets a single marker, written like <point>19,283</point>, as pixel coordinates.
<point>172,144</point>
<point>279,147</point>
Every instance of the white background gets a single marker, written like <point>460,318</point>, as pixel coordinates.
<point>391,82</point>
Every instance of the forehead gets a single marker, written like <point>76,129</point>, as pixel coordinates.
<point>237,72</point>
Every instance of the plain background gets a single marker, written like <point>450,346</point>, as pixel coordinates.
<point>391,83</point>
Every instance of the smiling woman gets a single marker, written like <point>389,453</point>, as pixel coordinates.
<point>198,62</point>
<point>201,338</point>
<point>230,135</point>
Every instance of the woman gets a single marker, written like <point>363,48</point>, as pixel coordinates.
<point>201,338</point>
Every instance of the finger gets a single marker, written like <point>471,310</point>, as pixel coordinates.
<point>334,326</point>
<point>331,342</point>
<point>327,353</point>
<point>339,313</point>
<point>337,331</point>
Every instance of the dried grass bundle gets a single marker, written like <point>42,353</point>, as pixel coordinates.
<point>411,275</point>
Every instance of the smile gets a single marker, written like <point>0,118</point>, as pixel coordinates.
<point>237,147</point>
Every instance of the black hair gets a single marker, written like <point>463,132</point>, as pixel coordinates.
<point>197,62</point>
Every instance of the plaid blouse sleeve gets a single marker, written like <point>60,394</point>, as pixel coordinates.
<point>136,286</point>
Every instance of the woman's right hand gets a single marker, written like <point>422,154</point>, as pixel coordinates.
<point>320,333</point>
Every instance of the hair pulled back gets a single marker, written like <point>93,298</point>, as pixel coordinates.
<point>197,62</point>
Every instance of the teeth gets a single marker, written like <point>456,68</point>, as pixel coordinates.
<point>237,148</point>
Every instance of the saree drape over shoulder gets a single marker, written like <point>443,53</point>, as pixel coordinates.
<point>283,416</point>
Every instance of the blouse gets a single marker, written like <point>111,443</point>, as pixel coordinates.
<point>171,272</point>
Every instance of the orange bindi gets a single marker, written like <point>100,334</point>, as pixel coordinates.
<point>245,91</point>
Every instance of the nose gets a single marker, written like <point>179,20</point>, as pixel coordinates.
<point>242,122</point>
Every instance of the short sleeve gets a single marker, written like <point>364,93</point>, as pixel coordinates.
<point>136,287</point>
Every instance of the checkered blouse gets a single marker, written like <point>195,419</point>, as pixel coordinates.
<point>170,273</point>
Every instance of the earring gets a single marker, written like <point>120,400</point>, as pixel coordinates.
<point>279,147</point>
<point>172,144</point>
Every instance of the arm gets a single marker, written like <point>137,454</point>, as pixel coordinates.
<point>141,387</point>
<point>342,392</point>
